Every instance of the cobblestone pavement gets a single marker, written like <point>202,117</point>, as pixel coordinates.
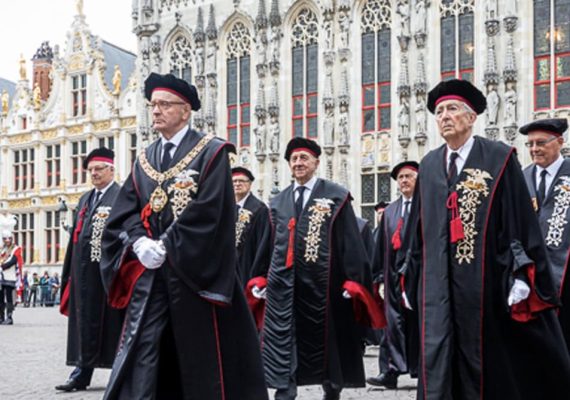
<point>32,354</point>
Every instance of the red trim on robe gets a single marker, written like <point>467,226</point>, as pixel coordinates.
<point>366,310</point>
<point>79,226</point>
<point>396,237</point>
<point>219,353</point>
<point>257,306</point>
<point>291,245</point>
<point>145,215</point>
<point>528,309</point>
<point>64,302</point>
<point>123,284</point>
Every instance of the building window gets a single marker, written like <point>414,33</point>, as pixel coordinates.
<point>108,142</point>
<point>79,94</point>
<point>78,153</point>
<point>180,58</point>
<point>24,236</point>
<point>551,54</point>
<point>24,169</point>
<point>238,85</point>
<point>53,244</point>
<point>457,39</point>
<point>375,66</point>
<point>53,165</point>
<point>374,188</point>
<point>305,74</point>
<point>132,148</point>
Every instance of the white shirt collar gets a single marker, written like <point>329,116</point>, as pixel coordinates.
<point>463,151</point>
<point>308,185</point>
<point>553,168</point>
<point>176,139</point>
<point>241,203</point>
<point>104,189</point>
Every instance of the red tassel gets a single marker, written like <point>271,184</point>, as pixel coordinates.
<point>396,239</point>
<point>145,214</point>
<point>456,232</point>
<point>79,226</point>
<point>291,245</point>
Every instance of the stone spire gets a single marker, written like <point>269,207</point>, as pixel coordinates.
<point>420,85</point>
<point>211,29</point>
<point>199,35</point>
<point>274,16</point>
<point>261,18</point>
<point>510,71</point>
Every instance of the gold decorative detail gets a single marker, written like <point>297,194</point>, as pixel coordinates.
<point>244,218</point>
<point>19,139</point>
<point>49,134</point>
<point>319,211</point>
<point>74,198</point>
<point>101,126</point>
<point>126,122</point>
<point>471,191</point>
<point>75,129</point>
<point>557,221</point>
<point>76,61</point>
<point>182,189</point>
<point>98,225</point>
<point>158,198</point>
<point>20,203</point>
<point>4,191</point>
<point>50,201</point>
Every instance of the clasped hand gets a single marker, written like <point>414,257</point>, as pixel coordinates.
<point>151,253</point>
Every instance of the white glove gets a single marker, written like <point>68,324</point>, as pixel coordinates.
<point>518,293</point>
<point>151,253</point>
<point>406,301</point>
<point>258,293</point>
<point>346,295</point>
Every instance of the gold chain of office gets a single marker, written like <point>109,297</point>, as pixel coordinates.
<point>159,198</point>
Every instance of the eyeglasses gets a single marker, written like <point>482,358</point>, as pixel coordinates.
<point>162,105</point>
<point>540,143</point>
<point>97,169</point>
<point>240,181</point>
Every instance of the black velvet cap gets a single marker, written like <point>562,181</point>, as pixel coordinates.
<point>172,84</point>
<point>380,205</point>
<point>457,89</point>
<point>554,126</point>
<point>101,154</point>
<point>243,171</point>
<point>301,143</point>
<point>409,164</point>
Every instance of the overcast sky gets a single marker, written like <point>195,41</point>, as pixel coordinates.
<point>25,24</point>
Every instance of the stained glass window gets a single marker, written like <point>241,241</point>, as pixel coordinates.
<point>457,39</point>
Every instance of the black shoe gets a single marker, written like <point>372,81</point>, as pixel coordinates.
<point>331,396</point>
<point>388,379</point>
<point>71,385</point>
<point>8,321</point>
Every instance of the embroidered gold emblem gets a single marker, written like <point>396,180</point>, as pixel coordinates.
<point>318,212</point>
<point>98,225</point>
<point>244,218</point>
<point>472,190</point>
<point>557,221</point>
<point>181,191</point>
<point>158,198</point>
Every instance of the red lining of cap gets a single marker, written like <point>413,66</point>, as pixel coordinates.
<point>103,159</point>
<point>454,97</point>
<point>174,92</point>
<point>409,167</point>
<point>304,149</point>
<point>240,173</point>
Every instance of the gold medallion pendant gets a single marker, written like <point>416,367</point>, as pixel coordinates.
<point>158,199</point>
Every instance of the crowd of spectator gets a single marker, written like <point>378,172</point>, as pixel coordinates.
<point>40,291</point>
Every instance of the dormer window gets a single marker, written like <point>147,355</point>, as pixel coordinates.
<point>79,95</point>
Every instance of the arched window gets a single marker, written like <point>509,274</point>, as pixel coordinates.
<point>551,54</point>
<point>375,65</point>
<point>305,61</point>
<point>238,74</point>
<point>457,39</point>
<point>180,58</point>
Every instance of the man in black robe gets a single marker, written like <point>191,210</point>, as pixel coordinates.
<point>477,269</point>
<point>548,182</point>
<point>93,327</point>
<point>318,284</point>
<point>378,212</point>
<point>252,226</point>
<point>170,258</point>
<point>398,348</point>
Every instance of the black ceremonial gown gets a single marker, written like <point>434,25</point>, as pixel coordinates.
<point>93,327</point>
<point>209,349</point>
<point>472,345</point>
<point>306,290</point>
<point>400,340</point>
<point>252,238</point>
<point>367,237</point>
<point>553,216</point>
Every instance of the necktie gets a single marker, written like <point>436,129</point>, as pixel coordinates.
<point>96,198</point>
<point>406,209</point>
<point>452,172</point>
<point>299,202</point>
<point>237,209</point>
<point>166,158</point>
<point>542,187</point>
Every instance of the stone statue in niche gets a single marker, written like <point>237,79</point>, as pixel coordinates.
<point>404,118</point>
<point>344,24</point>
<point>491,10</point>
<point>259,132</point>
<point>421,116</point>
<point>493,101</point>
<point>403,10</point>
<point>274,132</point>
<point>510,105</point>
<point>328,126</point>
<point>343,125</point>
<point>275,41</point>
<point>199,53</point>
<point>421,16</point>
<point>260,45</point>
